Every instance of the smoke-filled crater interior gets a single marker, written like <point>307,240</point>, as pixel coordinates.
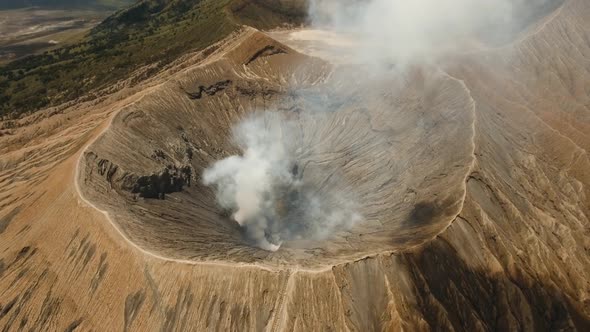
<point>271,157</point>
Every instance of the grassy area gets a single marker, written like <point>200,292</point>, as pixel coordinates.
<point>151,31</point>
<point>265,14</point>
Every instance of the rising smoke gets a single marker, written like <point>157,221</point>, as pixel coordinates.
<point>268,189</point>
<point>269,193</point>
<point>404,31</point>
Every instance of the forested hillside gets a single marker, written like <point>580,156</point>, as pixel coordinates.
<point>148,32</point>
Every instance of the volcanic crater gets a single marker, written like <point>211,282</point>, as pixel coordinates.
<point>399,150</point>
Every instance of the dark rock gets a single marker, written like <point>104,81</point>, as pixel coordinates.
<point>107,169</point>
<point>269,50</point>
<point>158,154</point>
<point>210,90</point>
<point>189,153</point>
<point>170,180</point>
<point>184,137</point>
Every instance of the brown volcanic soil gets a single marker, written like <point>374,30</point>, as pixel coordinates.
<point>473,179</point>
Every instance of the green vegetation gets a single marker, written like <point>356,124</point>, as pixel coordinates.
<point>149,32</point>
<point>265,14</point>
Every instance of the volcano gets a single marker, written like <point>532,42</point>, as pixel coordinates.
<point>460,190</point>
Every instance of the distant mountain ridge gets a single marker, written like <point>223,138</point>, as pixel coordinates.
<point>107,4</point>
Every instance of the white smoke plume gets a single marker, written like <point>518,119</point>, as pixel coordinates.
<point>266,189</point>
<point>403,31</point>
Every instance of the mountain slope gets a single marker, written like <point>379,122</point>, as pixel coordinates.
<point>150,33</point>
<point>495,142</point>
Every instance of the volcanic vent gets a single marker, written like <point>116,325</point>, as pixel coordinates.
<point>393,168</point>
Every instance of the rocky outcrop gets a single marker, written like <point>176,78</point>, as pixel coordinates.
<point>107,169</point>
<point>156,185</point>
<point>269,50</point>
<point>209,90</point>
<point>170,180</point>
<point>104,167</point>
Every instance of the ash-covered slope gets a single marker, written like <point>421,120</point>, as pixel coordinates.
<point>473,188</point>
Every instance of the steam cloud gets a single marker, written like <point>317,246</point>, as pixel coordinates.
<point>403,31</point>
<point>266,189</point>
